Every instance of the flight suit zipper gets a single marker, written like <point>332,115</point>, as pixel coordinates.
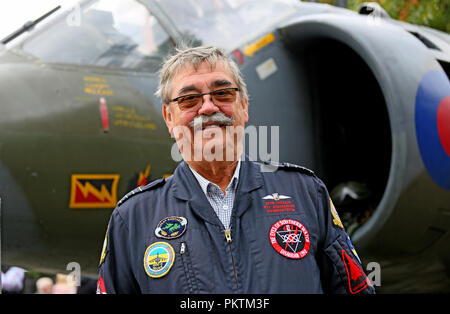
<point>229,240</point>
<point>187,265</point>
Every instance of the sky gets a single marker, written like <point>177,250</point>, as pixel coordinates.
<point>14,13</point>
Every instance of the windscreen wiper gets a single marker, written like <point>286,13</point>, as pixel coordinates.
<point>27,26</point>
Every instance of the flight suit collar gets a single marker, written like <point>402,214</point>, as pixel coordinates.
<point>186,187</point>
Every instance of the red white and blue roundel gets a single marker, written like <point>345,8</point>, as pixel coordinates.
<point>432,117</point>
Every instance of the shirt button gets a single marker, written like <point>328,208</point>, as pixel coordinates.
<point>225,207</point>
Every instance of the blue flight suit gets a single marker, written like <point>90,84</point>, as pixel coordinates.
<point>285,238</point>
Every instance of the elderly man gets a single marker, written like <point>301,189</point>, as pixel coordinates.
<point>222,224</point>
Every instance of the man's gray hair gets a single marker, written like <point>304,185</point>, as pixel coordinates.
<point>194,57</point>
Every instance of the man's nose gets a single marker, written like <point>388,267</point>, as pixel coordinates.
<point>208,107</point>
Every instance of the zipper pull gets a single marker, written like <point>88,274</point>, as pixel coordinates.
<point>228,235</point>
<point>183,248</point>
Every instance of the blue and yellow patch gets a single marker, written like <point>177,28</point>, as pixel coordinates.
<point>158,259</point>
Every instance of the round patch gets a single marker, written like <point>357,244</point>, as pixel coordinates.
<point>171,227</point>
<point>290,238</point>
<point>158,259</point>
<point>432,114</point>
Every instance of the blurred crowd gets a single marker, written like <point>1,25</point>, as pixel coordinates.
<point>16,280</point>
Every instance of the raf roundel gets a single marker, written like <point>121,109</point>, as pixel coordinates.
<point>158,259</point>
<point>432,118</point>
<point>290,238</point>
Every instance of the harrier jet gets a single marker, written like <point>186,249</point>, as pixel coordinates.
<point>359,98</point>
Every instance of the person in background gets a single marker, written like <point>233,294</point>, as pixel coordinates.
<point>44,285</point>
<point>12,279</point>
<point>62,286</point>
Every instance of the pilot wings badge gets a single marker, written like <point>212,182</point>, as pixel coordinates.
<point>275,196</point>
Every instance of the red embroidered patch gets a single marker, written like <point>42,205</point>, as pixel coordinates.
<point>357,279</point>
<point>101,286</point>
<point>290,238</point>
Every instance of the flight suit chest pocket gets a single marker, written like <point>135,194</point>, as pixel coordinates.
<point>283,250</point>
<point>187,271</point>
<point>186,261</point>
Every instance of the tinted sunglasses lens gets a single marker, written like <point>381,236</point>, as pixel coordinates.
<point>224,95</point>
<point>188,101</point>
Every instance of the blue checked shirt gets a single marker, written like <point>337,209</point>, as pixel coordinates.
<point>222,205</point>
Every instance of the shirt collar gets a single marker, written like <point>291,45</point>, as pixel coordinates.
<point>204,182</point>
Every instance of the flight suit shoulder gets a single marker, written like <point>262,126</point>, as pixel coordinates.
<point>151,186</point>
<point>289,167</point>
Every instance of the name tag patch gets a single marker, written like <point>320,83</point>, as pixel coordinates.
<point>275,203</point>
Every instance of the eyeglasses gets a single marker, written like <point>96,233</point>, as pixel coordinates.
<point>219,97</point>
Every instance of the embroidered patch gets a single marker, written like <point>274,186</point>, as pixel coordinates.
<point>357,279</point>
<point>105,245</point>
<point>158,259</point>
<point>275,203</point>
<point>171,227</point>
<point>275,197</point>
<point>101,286</point>
<point>336,219</point>
<point>352,248</point>
<point>290,238</point>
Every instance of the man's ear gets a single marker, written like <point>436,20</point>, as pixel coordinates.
<point>168,117</point>
<point>245,107</point>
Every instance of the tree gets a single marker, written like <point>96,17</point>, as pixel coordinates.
<point>432,13</point>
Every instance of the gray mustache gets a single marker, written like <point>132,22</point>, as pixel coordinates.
<point>218,117</point>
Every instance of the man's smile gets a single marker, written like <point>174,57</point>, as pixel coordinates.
<point>216,120</point>
<point>211,125</point>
